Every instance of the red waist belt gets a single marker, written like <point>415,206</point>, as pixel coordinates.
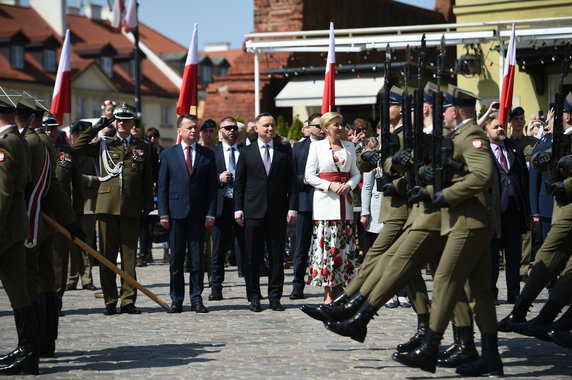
<point>341,177</point>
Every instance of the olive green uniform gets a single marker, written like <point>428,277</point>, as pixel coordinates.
<point>69,175</point>
<point>468,224</point>
<point>79,260</point>
<point>122,197</point>
<point>15,161</point>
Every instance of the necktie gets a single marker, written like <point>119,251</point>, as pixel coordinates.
<point>189,159</point>
<point>266,159</point>
<point>231,167</point>
<point>125,143</point>
<point>502,159</point>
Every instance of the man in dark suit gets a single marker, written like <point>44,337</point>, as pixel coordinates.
<point>305,206</point>
<point>510,204</point>
<point>187,205</point>
<point>265,199</point>
<point>226,156</point>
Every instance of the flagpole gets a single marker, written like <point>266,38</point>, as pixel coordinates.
<point>137,57</point>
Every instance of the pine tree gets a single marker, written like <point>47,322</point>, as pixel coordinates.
<point>281,126</point>
<point>295,132</point>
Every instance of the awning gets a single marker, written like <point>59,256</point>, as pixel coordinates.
<point>349,91</point>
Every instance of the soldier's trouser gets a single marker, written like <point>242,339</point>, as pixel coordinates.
<point>119,234</point>
<point>465,262</point>
<point>61,253</point>
<point>389,234</point>
<point>79,262</point>
<point>526,252</point>
<point>40,269</point>
<point>555,250</point>
<point>13,274</point>
<point>562,292</point>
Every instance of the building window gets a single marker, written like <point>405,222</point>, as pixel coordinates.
<point>17,56</point>
<point>223,71</point>
<point>80,108</point>
<point>165,115</point>
<point>205,74</point>
<point>107,65</point>
<point>49,60</point>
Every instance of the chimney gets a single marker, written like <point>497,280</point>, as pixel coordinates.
<point>93,11</point>
<point>53,12</point>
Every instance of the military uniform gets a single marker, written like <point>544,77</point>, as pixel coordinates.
<point>124,193</point>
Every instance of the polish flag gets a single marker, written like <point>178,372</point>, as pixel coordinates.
<point>117,13</point>
<point>508,80</point>
<point>329,97</point>
<point>131,16</point>
<point>189,95</point>
<point>61,99</point>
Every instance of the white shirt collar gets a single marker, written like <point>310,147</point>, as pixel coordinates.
<point>262,143</point>
<point>193,145</point>
<point>225,146</point>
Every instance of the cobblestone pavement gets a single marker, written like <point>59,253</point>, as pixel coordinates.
<point>231,342</point>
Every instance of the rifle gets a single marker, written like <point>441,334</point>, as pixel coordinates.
<point>418,136</point>
<point>560,142</point>
<point>385,132</point>
<point>437,145</point>
<point>406,112</point>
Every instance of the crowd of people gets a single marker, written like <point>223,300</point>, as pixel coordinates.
<point>360,229</point>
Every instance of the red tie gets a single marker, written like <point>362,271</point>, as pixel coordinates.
<point>189,160</point>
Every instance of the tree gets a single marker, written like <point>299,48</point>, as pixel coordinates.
<point>295,132</point>
<point>281,126</point>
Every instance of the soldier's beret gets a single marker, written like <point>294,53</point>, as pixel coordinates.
<point>208,123</point>
<point>80,126</point>
<point>516,111</point>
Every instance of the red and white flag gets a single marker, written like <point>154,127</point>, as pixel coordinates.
<point>131,16</point>
<point>329,97</point>
<point>508,80</point>
<point>117,14</point>
<point>61,99</point>
<point>189,95</point>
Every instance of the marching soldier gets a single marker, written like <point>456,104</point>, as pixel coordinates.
<point>68,173</point>
<point>15,163</point>
<point>125,193</point>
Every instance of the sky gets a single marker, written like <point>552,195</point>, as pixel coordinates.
<point>219,20</point>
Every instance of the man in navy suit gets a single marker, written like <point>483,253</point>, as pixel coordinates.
<point>226,156</point>
<point>265,199</point>
<point>305,206</point>
<point>187,205</point>
<point>511,205</point>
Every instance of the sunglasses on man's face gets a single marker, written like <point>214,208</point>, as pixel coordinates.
<point>231,127</point>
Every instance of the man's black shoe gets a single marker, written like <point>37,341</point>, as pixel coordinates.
<point>198,307</point>
<point>130,309</point>
<point>176,307</point>
<point>216,295</point>
<point>110,310</point>
<point>89,287</point>
<point>276,305</point>
<point>297,294</point>
<point>255,304</point>
<point>70,287</point>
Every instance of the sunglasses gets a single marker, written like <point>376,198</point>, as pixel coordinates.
<point>231,127</point>
<point>314,125</point>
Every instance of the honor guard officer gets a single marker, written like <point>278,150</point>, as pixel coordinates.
<point>125,192</point>
<point>68,173</point>
<point>15,161</point>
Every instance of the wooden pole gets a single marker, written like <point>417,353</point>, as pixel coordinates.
<point>99,257</point>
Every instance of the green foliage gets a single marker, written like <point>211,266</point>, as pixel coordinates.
<point>295,132</point>
<point>239,119</point>
<point>370,131</point>
<point>281,126</point>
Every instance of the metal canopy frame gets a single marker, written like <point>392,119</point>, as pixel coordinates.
<point>398,37</point>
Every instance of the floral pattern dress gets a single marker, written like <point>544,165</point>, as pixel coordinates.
<point>332,259</point>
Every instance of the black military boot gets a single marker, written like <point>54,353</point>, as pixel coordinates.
<point>24,360</point>
<point>465,351</point>
<point>561,338</point>
<point>445,353</point>
<point>547,315</point>
<point>517,315</point>
<point>415,341</point>
<point>313,310</point>
<point>541,331</point>
<point>424,357</point>
<point>48,324</point>
<point>356,326</point>
<point>489,363</point>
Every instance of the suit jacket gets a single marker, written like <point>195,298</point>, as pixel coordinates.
<point>219,155</point>
<point>260,195</point>
<point>327,203</point>
<point>541,203</point>
<point>518,177</point>
<point>468,196</point>
<point>305,191</point>
<point>180,195</point>
<point>131,194</point>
